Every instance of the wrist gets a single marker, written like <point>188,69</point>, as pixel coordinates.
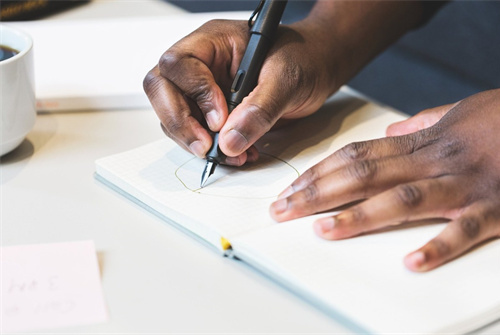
<point>348,34</point>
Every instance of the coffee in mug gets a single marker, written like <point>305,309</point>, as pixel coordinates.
<point>17,93</point>
<point>7,52</point>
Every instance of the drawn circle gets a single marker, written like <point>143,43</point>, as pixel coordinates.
<point>264,179</point>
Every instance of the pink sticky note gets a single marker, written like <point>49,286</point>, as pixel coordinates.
<point>50,286</point>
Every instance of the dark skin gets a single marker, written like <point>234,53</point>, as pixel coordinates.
<point>186,88</point>
<point>448,170</point>
<point>441,163</point>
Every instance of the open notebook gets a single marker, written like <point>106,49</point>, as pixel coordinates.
<point>361,282</point>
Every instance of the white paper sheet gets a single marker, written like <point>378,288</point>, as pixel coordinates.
<point>50,286</point>
<point>361,281</point>
<point>101,63</point>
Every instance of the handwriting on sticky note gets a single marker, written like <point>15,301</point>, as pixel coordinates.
<point>50,286</point>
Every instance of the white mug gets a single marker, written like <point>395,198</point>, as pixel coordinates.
<point>17,89</point>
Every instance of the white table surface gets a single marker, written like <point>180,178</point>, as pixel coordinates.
<point>155,278</point>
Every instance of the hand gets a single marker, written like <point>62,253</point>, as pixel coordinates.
<point>449,170</point>
<point>309,61</point>
<point>187,87</point>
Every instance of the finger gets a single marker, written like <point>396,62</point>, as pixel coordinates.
<point>252,154</point>
<point>351,153</point>
<point>175,114</point>
<point>423,199</point>
<point>195,140</point>
<point>284,89</point>
<point>249,156</point>
<point>422,120</point>
<point>186,65</point>
<point>356,181</point>
<point>478,223</point>
<point>249,121</point>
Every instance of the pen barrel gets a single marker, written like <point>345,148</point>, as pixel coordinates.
<point>247,75</point>
<point>261,38</point>
<point>215,154</point>
<point>269,18</point>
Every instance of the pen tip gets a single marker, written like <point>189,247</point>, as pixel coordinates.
<point>209,170</point>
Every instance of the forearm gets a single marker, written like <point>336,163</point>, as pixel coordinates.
<point>354,32</point>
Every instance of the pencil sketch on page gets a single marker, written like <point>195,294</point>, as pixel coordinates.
<point>259,180</point>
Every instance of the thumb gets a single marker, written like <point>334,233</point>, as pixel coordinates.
<point>422,120</point>
<point>251,119</point>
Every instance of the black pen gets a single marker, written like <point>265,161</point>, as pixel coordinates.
<point>262,32</point>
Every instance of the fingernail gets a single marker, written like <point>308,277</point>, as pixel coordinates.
<point>213,119</point>
<point>415,261</point>
<point>235,140</point>
<point>286,193</point>
<point>326,224</point>
<point>197,148</point>
<point>280,206</point>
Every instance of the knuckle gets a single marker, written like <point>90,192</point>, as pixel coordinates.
<point>166,131</point>
<point>441,147</point>
<point>492,214</point>
<point>310,193</point>
<point>212,25</point>
<point>173,127</point>
<point>168,61</point>
<point>197,85</point>
<point>357,214</point>
<point>150,83</point>
<point>439,247</point>
<point>491,217</point>
<point>363,171</point>
<point>354,151</point>
<point>450,148</point>
<point>409,195</point>
<point>414,142</point>
<point>309,176</point>
<point>265,116</point>
<point>470,227</point>
<point>201,91</point>
<point>224,30</point>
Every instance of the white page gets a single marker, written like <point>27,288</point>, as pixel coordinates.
<point>236,200</point>
<point>364,279</point>
<point>50,286</point>
<point>166,178</point>
<point>101,63</point>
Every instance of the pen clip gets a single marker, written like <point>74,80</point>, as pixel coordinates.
<point>255,12</point>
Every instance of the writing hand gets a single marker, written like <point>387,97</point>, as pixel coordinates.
<point>450,169</point>
<point>187,87</point>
